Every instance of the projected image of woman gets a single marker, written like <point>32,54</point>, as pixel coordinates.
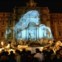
<point>29,27</point>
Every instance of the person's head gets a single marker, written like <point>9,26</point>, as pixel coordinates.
<point>37,50</point>
<point>17,51</point>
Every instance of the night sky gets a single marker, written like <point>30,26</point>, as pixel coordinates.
<point>53,5</point>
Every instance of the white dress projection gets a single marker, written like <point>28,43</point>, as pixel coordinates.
<point>30,28</point>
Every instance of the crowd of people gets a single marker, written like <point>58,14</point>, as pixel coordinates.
<point>47,55</point>
<point>50,53</point>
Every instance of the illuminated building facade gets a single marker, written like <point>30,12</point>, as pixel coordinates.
<point>5,20</point>
<point>52,20</point>
<point>56,25</point>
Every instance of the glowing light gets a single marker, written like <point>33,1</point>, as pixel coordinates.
<point>1,49</point>
<point>11,50</point>
<point>29,27</point>
<point>20,47</point>
<point>30,16</point>
<point>8,46</point>
<point>2,43</point>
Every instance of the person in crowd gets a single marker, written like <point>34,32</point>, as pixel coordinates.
<point>12,57</point>
<point>39,55</point>
<point>18,56</point>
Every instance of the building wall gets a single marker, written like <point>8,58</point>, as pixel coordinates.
<point>4,22</point>
<point>56,25</point>
<point>53,20</point>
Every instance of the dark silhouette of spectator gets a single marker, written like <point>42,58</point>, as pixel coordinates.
<point>18,56</point>
<point>12,57</point>
<point>48,54</point>
<point>24,56</point>
<point>4,57</point>
<point>29,57</point>
<point>39,55</point>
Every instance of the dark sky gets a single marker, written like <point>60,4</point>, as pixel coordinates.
<point>53,5</point>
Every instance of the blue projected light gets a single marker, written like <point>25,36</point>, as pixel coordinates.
<point>29,27</point>
<point>30,16</point>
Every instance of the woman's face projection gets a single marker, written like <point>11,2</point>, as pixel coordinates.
<point>29,27</point>
<point>29,17</point>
